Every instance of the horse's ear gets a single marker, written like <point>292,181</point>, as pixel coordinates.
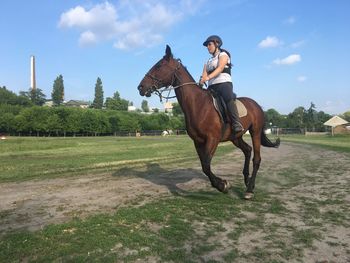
<point>168,53</point>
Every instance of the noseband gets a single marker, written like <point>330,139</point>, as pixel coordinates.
<point>158,87</point>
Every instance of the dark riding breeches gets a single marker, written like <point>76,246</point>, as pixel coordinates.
<point>225,90</point>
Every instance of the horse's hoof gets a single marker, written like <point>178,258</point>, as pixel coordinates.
<point>248,196</point>
<point>226,186</point>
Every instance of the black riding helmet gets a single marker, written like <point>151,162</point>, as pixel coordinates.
<point>213,38</point>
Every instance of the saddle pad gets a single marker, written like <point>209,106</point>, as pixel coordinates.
<point>242,110</point>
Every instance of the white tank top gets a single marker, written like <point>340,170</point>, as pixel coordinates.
<point>212,64</point>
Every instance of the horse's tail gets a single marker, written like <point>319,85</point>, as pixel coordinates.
<point>266,141</point>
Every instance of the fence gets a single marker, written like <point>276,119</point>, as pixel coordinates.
<point>280,131</point>
<point>92,134</point>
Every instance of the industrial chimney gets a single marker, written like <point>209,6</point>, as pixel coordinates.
<point>32,73</point>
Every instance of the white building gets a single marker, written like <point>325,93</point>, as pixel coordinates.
<point>131,108</point>
<point>168,106</point>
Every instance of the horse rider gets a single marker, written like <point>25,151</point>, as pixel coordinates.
<point>217,71</point>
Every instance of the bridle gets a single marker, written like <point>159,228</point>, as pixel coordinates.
<point>158,87</point>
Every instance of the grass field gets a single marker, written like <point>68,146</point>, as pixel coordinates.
<point>37,158</point>
<point>337,143</point>
<point>296,215</point>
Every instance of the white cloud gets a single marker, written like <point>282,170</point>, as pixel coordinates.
<point>137,39</point>
<point>301,79</point>
<point>269,42</point>
<point>291,59</point>
<point>129,25</point>
<point>87,38</point>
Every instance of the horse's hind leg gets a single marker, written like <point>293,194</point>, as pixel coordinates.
<point>206,152</point>
<point>247,151</point>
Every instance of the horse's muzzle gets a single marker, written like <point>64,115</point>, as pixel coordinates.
<point>142,91</point>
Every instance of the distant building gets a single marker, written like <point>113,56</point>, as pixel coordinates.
<point>48,103</point>
<point>338,125</point>
<point>168,107</point>
<point>78,104</point>
<point>131,108</point>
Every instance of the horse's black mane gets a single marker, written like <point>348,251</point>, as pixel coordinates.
<point>179,60</point>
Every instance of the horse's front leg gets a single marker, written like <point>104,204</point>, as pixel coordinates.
<point>206,152</point>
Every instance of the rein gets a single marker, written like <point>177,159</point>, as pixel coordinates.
<point>160,90</point>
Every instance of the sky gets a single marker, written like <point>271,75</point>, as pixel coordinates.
<point>286,53</point>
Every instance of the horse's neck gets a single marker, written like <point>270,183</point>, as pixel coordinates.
<point>189,96</point>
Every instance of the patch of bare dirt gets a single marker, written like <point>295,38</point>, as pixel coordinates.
<point>33,204</point>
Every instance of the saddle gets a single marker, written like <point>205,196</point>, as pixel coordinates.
<point>221,108</point>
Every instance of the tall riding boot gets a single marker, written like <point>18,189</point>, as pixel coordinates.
<point>233,113</point>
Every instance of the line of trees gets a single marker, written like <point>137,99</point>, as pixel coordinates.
<point>308,119</point>
<point>62,121</point>
<point>19,114</point>
<point>37,97</point>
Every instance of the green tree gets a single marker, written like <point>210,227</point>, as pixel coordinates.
<point>88,121</point>
<point>159,121</point>
<point>98,100</point>
<point>63,114</point>
<point>144,106</point>
<point>114,120</point>
<point>129,122</point>
<point>74,121</point>
<point>8,108</point>
<point>177,109</point>
<point>272,117</point>
<point>57,94</point>
<point>346,115</point>
<point>36,119</point>
<point>311,117</point>
<point>54,123</point>
<point>36,96</point>
<point>296,119</point>
<point>117,103</point>
<point>7,122</point>
<point>178,123</point>
<point>8,97</point>
<point>21,124</point>
<point>321,119</point>
<point>103,125</point>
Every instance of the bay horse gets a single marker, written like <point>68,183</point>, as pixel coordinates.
<point>203,122</point>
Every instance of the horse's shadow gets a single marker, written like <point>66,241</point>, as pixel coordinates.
<point>171,178</point>
<point>158,175</point>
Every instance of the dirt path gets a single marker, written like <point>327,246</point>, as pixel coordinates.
<point>33,204</point>
<point>299,176</point>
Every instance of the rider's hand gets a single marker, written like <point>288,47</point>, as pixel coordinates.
<point>202,80</point>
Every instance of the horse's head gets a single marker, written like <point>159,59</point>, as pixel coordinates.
<point>162,74</point>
